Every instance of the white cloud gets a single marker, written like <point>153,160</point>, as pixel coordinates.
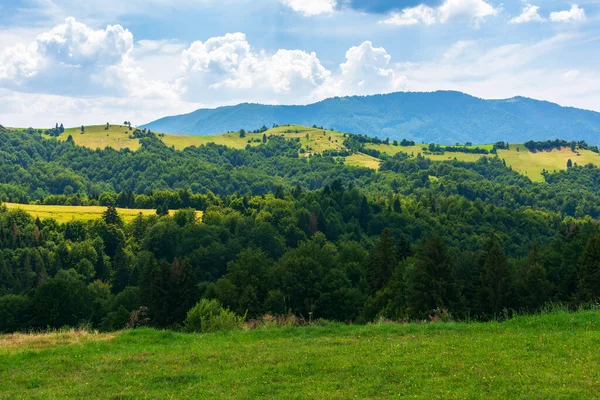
<point>571,75</point>
<point>506,71</point>
<point>411,16</point>
<point>69,58</point>
<point>311,7</point>
<point>529,14</point>
<point>575,14</point>
<point>367,70</point>
<point>226,66</point>
<point>473,10</point>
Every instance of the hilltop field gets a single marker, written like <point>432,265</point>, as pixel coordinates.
<point>314,140</point>
<point>547,356</point>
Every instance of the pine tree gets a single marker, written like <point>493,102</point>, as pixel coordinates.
<point>589,270</point>
<point>364,213</point>
<point>432,283</point>
<point>495,290</point>
<point>111,216</point>
<point>264,139</point>
<point>382,261</point>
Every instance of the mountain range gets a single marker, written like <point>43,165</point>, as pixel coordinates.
<point>443,117</point>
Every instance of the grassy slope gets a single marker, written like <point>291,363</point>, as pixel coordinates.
<point>550,356</point>
<point>530,164</point>
<point>68,213</point>
<point>523,161</point>
<point>96,136</point>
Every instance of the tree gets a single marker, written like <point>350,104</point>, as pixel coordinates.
<point>569,163</point>
<point>264,139</point>
<point>82,129</point>
<point>242,133</point>
<point>107,126</point>
<point>432,283</point>
<point>382,261</point>
<point>589,270</point>
<point>61,128</point>
<point>495,290</point>
<point>111,216</point>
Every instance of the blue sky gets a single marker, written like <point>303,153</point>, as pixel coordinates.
<point>91,62</point>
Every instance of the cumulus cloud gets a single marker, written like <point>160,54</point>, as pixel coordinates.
<point>575,14</point>
<point>74,59</point>
<point>227,66</point>
<point>473,10</point>
<point>529,14</point>
<point>366,70</point>
<point>311,7</point>
<point>68,58</point>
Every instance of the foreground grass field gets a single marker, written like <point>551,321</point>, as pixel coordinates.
<point>83,213</point>
<point>549,356</point>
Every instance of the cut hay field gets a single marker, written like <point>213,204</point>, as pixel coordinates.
<point>83,213</point>
<point>538,357</point>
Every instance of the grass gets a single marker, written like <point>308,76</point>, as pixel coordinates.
<point>96,136</point>
<point>318,140</point>
<point>522,161</point>
<point>85,213</point>
<point>363,160</point>
<point>549,356</point>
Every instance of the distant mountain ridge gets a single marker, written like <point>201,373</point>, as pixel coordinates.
<point>443,117</point>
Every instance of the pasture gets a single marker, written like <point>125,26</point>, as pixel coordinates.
<point>546,356</point>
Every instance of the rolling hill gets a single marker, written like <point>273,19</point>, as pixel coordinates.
<point>442,117</point>
<point>316,141</point>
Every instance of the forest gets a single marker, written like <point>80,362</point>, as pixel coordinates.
<point>283,234</point>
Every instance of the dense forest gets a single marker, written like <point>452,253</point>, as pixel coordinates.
<point>285,234</point>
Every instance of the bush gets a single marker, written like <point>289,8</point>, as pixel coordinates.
<point>210,316</point>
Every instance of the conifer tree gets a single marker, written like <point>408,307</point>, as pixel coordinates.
<point>589,270</point>
<point>495,290</point>
<point>382,261</point>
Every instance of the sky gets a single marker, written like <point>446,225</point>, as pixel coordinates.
<point>92,62</point>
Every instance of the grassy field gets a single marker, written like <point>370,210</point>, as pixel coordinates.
<point>96,136</point>
<point>549,356</point>
<point>83,213</point>
<point>363,160</point>
<point>522,160</point>
<point>318,140</point>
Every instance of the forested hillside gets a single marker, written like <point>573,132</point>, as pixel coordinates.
<point>286,234</point>
<point>441,117</point>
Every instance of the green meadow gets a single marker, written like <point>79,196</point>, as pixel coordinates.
<point>530,357</point>
<point>315,141</point>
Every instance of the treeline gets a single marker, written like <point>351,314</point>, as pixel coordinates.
<point>557,144</point>
<point>433,148</point>
<point>332,253</point>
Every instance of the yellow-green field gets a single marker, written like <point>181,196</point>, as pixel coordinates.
<point>97,137</point>
<point>363,160</point>
<point>83,213</point>
<point>316,141</point>
<point>521,160</point>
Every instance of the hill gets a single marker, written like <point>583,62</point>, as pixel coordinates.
<point>315,141</point>
<point>545,356</point>
<point>442,117</point>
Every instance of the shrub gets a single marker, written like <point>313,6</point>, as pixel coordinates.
<point>210,316</point>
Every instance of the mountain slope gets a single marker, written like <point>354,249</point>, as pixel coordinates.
<point>441,117</point>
